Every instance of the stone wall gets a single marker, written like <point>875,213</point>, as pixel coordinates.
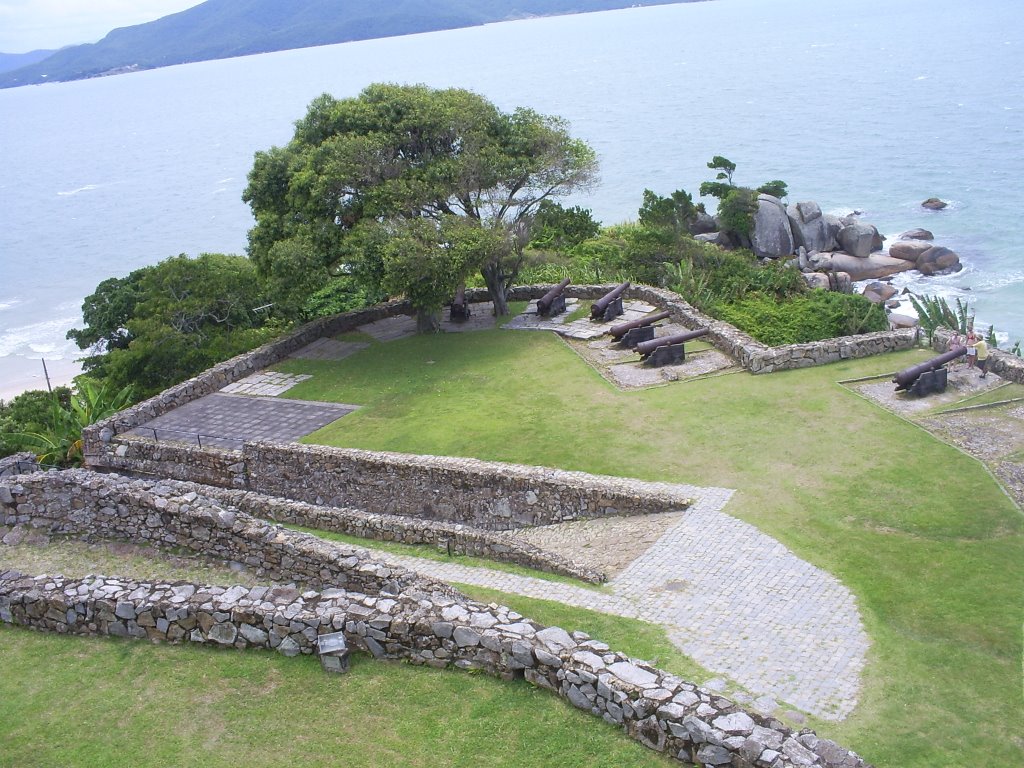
<point>432,628</point>
<point>134,455</point>
<point>230,371</point>
<point>18,463</point>
<point>169,514</point>
<point>760,358</point>
<point>451,538</point>
<point>1003,364</point>
<point>485,494</point>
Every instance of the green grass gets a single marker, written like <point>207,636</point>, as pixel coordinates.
<point>919,531</point>
<point>142,705</point>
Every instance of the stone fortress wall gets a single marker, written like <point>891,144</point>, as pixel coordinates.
<point>387,611</point>
<point>106,446</point>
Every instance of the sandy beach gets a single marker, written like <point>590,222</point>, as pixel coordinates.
<point>21,374</point>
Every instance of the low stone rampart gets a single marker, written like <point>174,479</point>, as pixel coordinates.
<point>135,455</point>
<point>169,514</point>
<point>432,628</point>
<point>451,538</point>
<point>219,376</point>
<point>760,358</point>
<point>485,494</point>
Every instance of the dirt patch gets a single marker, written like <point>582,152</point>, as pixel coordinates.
<point>995,435</point>
<point>609,544</point>
<point>75,559</point>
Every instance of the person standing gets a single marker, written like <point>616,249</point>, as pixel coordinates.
<point>981,351</point>
<point>972,349</point>
<point>955,340</point>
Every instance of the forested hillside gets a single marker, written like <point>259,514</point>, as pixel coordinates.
<point>219,29</point>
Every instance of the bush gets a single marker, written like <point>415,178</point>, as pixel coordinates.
<point>812,316</point>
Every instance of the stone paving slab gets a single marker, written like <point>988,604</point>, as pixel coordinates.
<point>581,328</point>
<point>226,420</point>
<point>391,328</point>
<point>265,384</point>
<point>327,349</point>
<point>481,318</point>
<point>733,599</point>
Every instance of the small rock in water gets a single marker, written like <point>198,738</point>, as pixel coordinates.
<point>934,204</point>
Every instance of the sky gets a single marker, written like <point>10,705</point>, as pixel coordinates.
<point>26,25</point>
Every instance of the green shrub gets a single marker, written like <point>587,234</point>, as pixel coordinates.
<point>812,316</point>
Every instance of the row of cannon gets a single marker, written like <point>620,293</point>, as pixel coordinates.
<point>635,334</point>
<point>639,334</point>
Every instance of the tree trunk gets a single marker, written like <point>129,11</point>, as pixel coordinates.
<point>428,321</point>
<point>494,279</point>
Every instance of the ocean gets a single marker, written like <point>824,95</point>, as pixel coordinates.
<point>870,105</point>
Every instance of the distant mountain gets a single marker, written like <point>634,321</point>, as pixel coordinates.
<point>220,29</point>
<point>9,61</point>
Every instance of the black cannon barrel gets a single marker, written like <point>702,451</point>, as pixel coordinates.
<point>618,331</point>
<point>646,347</point>
<point>544,302</point>
<point>905,379</point>
<point>598,307</point>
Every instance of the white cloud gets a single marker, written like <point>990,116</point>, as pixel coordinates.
<point>26,25</point>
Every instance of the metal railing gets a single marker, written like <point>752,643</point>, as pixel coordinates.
<point>191,438</point>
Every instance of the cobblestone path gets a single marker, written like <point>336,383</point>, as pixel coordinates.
<point>730,597</point>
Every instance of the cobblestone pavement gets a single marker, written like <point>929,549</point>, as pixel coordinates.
<point>730,597</point>
<point>265,384</point>
<point>327,349</point>
<point>226,421</point>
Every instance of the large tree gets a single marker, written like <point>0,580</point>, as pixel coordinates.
<point>357,168</point>
<point>166,322</point>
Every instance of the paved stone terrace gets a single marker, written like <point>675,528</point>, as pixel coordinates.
<point>733,599</point>
<point>226,420</point>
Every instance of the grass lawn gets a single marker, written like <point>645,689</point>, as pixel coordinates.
<point>108,703</point>
<point>919,531</point>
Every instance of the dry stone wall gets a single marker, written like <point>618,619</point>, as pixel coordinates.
<point>451,538</point>
<point>431,628</point>
<point>760,358</point>
<point>168,514</point>
<point>485,494</point>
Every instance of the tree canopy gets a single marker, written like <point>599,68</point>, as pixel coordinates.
<point>166,322</point>
<point>357,168</point>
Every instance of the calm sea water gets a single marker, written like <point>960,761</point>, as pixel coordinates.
<point>871,105</point>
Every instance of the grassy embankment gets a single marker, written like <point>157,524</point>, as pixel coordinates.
<point>919,531</point>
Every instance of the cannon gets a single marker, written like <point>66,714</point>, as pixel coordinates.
<point>632,333</point>
<point>927,377</point>
<point>553,302</point>
<point>610,305</point>
<point>667,349</point>
<point>458,310</point>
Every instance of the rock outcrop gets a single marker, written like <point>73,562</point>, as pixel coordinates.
<point>811,230</point>
<point>773,237</point>
<point>870,267</point>
<point>938,260</point>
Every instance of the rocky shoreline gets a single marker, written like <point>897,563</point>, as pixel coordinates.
<point>836,252</point>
